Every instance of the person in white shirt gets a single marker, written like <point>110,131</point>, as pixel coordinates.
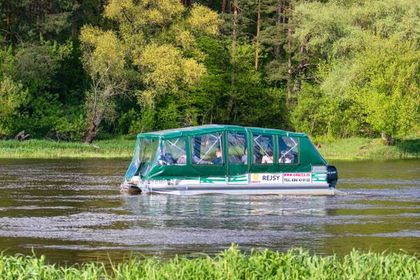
<point>267,158</point>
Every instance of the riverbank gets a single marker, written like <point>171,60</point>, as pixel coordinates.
<point>356,148</point>
<point>340,149</point>
<point>115,148</point>
<point>231,264</point>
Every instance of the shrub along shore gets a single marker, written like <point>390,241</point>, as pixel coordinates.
<point>230,264</point>
<point>341,149</point>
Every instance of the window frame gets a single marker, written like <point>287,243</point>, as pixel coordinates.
<point>245,136</point>
<point>279,150</point>
<point>173,142</point>
<point>253,134</point>
<point>191,148</point>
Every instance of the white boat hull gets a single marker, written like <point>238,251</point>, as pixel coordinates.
<point>258,183</point>
<point>191,190</point>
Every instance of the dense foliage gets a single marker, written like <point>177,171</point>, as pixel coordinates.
<point>231,264</point>
<point>75,70</point>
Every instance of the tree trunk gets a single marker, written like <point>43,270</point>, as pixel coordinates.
<point>303,65</point>
<point>289,65</point>
<point>75,24</point>
<point>234,38</point>
<point>389,140</point>
<point>93,129</point>
<point>232,97</point>
<point>279,22</point>
<point>257,37</point>
<point>223,6</point>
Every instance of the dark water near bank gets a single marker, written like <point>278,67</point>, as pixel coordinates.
<point>71,211</point>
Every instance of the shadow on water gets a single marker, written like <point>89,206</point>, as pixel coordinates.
<point>71,211</point>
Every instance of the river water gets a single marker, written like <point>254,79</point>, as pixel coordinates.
<point>72,211</point>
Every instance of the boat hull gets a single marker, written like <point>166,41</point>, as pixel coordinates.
<point>227,189</point>
<point>298,183</point>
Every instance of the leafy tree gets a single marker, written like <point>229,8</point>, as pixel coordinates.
<point>12,97</point>
<point>104,61</point>
<point>357,58</point>
<point>157,41</point>
<point>385,82</point>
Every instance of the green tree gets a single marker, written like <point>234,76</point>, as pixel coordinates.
<point>359,62</point>
<point>385,82</point>
<point>154,43</point>
<point>12,97</point>
<point>105,63</point>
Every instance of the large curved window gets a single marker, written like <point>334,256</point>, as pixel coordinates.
<point>147,154</point>
<point>263,149</point>
<point>173,152</point>
<point>207,149</point>
<point>148,150</point>
<point>237,148</point>
<point>289,150</point>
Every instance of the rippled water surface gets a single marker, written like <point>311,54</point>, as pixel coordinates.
<point>72,211</point>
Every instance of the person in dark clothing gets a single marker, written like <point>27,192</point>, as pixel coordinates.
<point>219,157</point>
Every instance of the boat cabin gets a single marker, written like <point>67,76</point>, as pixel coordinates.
<point>222,151</point>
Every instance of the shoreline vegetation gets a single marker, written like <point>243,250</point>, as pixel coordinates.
<point>340,149</point>
<point>230,264</point>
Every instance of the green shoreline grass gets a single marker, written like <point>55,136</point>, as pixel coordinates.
<point>230,264</point>
<point>356,148</point>
<point>341,149</point>
<point>43,149</point>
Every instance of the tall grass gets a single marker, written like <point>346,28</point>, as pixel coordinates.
<point>357,148</point>
<point>115,148</point>
<point>230,264</point>
<point>339,149</point>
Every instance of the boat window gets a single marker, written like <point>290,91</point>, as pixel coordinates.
<point>237,148</point>
<point>147,154</point>
<point>263,149</point>
<point>173,152</point>
<point>148,150</point>
<point>135,162</point>
<point>207,149</point>
<point>289,150</point>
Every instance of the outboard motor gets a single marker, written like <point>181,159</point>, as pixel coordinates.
<point>332,175</point>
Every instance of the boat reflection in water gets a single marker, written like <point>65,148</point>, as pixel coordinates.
<point>220,211</point>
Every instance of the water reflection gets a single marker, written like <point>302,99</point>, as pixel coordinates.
<point>71,211</point>
<point>219,211</point>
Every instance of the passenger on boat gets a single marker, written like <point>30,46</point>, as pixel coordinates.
<point>286,157</point>
<point>244,158</point>
<point>166,159</point>
<point>267,158</point>
<point>219,157</point>
<point>182,159</point>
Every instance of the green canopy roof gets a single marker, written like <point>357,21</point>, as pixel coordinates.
<point>210,128</point>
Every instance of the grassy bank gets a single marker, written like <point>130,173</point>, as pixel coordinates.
<point>365,148</point>
<point>341,149</point>
<point>115,148</point>
<point>231,264</point>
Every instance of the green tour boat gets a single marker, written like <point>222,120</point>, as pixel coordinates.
<point>228,159</point>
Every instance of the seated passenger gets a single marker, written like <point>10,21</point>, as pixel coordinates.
<point>267,158</point>
<point>169,158</point>
<point>166,159</point>
<point>244,158</point>
<point>219,158</point>
<point>182,159</point>
<point>286,158</point>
